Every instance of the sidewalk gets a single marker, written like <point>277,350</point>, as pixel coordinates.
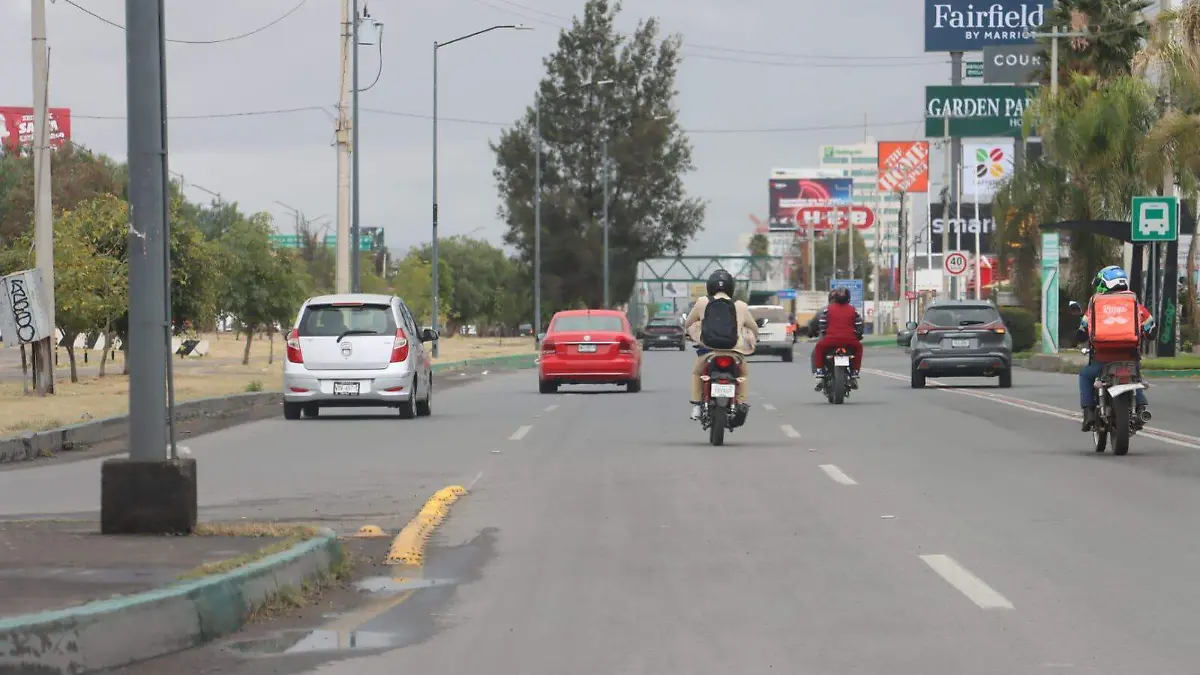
<point>49,565</point>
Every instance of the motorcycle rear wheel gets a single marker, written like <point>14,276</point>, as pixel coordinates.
<point>716,432</point>
<point>1122,423</point>
<point>839,385</point>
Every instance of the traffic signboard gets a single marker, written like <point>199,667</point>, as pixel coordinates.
<point>666,307</point>
<point>956,263</point>
<point>856,291</point>
<point>285,240</point>
<point>786,294</point>
<point>1155,219</point>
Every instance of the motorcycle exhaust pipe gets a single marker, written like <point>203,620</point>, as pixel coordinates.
<point>1145,415</point>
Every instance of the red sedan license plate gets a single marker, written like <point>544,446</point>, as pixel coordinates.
<point>587,349</point>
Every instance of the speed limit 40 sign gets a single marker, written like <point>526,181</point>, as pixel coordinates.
<point>956,263</point>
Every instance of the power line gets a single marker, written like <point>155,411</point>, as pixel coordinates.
<point>488,123</point>
<point>260,29</point>
<point>922,59</point>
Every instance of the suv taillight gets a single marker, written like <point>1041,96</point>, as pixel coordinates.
<point>294,355</point>
<point>400,347</point>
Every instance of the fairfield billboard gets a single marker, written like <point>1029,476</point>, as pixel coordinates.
<point>802,202</point>
<point>16,127</point>
<point>971,25</point>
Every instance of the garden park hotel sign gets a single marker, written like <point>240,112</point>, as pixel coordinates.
<point>971,25</point>
<point>980,111</point>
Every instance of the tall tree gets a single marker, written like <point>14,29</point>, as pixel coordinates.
<point>78,175</point>
<point>650,212</point>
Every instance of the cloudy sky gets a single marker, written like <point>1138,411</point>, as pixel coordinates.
<point>763,84</point>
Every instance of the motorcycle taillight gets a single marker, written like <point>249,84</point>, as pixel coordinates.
<point>723,361</point>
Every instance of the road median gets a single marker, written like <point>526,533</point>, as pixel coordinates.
<point>197,606</point>
<point>1181,367</point>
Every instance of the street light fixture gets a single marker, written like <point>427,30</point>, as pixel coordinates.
<point>537,197</point>
<point>436,47</point>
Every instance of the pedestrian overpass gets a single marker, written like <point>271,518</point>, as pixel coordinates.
<point>670,285</point>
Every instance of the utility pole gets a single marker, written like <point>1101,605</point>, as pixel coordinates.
<point>150,492</point>
<point>355,245</point>
<point>956,68</point>
<point>604,165</point>
<point>902,244</point>
<point>946,190</point>
<point>537,215</point>
<point>43,351</point>
<point>344,123</point>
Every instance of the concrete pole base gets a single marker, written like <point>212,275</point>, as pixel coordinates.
<point>157,497</point>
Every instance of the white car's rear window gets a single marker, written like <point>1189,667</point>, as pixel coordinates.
<point>336,320</point>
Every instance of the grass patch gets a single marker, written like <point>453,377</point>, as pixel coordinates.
<point>35,424</point>
<point>291,598</point>
<point>254,387</point>
<point>291,535</point>
<point>1182,362</point>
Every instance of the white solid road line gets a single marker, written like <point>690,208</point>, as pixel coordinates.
<point>552,408</point>
<point>838,475</point>
<point>520,433</point>
<point>790,431</point>
<point>968,584</point>
<point>1161,435</point>
<point>768,406</point>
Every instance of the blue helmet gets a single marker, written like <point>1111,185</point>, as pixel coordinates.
<point>1111,279</point>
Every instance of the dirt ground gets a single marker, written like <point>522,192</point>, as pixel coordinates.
<point>218,373</point>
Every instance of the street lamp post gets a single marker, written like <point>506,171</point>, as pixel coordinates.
<point>436,47</point>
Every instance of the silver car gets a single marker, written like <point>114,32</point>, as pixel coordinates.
<point>774,334</point>
<point>357,350</point>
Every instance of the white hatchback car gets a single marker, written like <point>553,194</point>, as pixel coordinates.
<point>357,350</point>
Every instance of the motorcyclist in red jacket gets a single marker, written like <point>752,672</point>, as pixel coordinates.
<point>840,325</point>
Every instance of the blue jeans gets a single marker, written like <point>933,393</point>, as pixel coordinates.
<point>1087,387</point>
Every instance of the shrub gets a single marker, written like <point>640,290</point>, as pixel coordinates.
<point>1020,325</point>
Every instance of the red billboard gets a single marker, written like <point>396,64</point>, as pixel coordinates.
<point>904,166</point>
<point>16,127</point>
<point>792,198</point>
<point>828,217</point>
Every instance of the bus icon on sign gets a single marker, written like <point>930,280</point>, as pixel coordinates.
<point>1154,219</point>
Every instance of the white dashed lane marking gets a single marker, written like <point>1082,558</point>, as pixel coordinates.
<point>838,475</point>
<point>968,584</point>
<point>520,433</point>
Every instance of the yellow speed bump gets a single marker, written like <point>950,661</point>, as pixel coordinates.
<point>408,548</point>
<point>370,532</point>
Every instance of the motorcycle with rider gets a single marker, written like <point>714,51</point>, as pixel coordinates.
<point>1112,326</point>
<point>841,329</point>
<point>725,333</point>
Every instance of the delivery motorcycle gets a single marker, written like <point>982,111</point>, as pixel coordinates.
<point>1116,414</point>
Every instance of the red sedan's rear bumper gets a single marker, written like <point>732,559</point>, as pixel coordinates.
<point>587,370</point>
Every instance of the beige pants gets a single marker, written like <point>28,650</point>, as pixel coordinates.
<point>743,389</point>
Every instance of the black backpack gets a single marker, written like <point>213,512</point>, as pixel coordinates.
<point>719,329</point>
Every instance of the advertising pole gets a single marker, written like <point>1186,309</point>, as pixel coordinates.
<point>901,237</point>
<point>945,205</point>
<point>978,247</point>
<point>956,68</point>
<point>873,267</point>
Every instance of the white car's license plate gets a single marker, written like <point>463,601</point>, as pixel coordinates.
<point>960,343</point>
<point>841,361</point>
<point>345,388</point>
<point>587,349</point>
<point>726,390</point>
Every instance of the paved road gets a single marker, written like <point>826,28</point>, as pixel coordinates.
<point>906,532</point>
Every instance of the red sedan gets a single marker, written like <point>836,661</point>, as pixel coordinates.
<point>590,346</point>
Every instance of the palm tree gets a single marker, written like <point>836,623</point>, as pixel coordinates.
<point>1091,169</point>
<point>1174,142</point>
<point>1120,31</point>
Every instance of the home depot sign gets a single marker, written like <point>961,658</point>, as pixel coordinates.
<point>829,217</point>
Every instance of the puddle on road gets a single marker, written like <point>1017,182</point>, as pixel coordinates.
<point>411,621</point>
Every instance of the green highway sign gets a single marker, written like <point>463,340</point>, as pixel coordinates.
<point>285,240</point>
<point>973,69</point>
<point>1155,219</point>
<point>364,241</point>
<point>666,307</point>
<point>976,111</point>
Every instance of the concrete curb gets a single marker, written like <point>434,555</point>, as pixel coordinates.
<point>512,362</point>
<point>124,630</point>
<point>78,436</point>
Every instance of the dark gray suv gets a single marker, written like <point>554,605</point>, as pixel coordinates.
<point>961,338</point>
